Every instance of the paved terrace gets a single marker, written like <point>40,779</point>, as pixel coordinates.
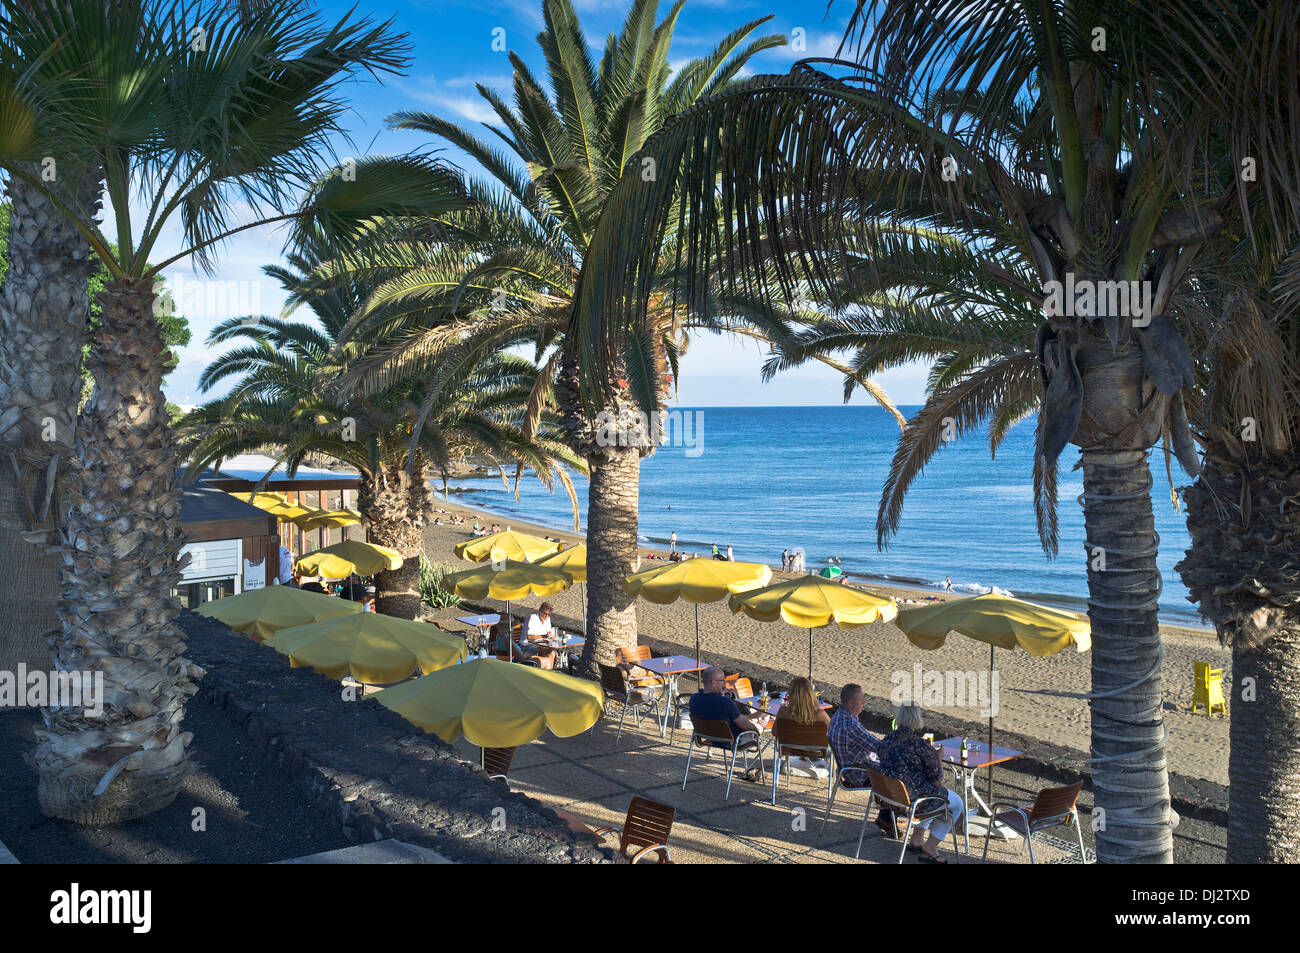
<point>594,779</point>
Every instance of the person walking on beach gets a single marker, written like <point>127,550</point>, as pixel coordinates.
<point>731,557</point>
<point>716,554</point>
<point>672,541</point>
<point>947,583</point>
<point>785,560</point>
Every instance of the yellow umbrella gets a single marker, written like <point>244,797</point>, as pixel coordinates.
<point>285,511</point>
<point>350,556</point>
<point>999,621</point>
<point>496,704</point>
<point>372,648</point>
<point>328,519</point>
<point>506,544</point>
<point>261,613</point>
<point>696,580</point>
<point>813,602</point>
<point>261,500</point>
<point>506,580</point>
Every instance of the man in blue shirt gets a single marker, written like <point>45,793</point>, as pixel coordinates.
<point>711,704</point>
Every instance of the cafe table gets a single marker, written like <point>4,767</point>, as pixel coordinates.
<point>670,668</point>
<point>977,756</point>
<point>482,623</point>
<point>564,645</point>
<point>774,704</point>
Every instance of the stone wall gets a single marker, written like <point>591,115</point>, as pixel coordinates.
<point>380,775</point>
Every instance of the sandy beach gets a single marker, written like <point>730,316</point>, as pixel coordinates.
<point>1038,697</point>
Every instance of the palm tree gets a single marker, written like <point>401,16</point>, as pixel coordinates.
<point>240,118</point>
<point>44,310</point>
<point>1103,185</point>
<point>284,397</point>
<point>510,280</point>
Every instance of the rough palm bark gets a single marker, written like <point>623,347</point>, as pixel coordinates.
<point>120,549</point>
<point>1242,569</point>
<point>1121,417</point>
<point>44,310</point>
<point>397,506</point>
<point>613,444</point>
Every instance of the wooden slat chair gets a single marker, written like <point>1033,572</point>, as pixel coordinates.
<point>496,762</point>
<point>708,733</point>
<point>626,660</point>
<point>1054,807</point>
<point>893,793</point>
<point>806,741</point>
<point>645,829</point>
<point>849,782</point>
<point>614,684</point>
<point>740,687</point>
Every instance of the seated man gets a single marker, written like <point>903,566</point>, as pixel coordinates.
<point>539,624</point>
<point>502,641</point>
<point>310,584</point>
<point>853,744</point>
<point>711,704</point>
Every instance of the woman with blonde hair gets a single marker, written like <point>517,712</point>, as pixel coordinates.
<point>801,705</point>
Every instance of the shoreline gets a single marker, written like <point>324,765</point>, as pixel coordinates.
<point>911,588</point>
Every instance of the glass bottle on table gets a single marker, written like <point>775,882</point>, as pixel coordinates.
<point>764,697</point>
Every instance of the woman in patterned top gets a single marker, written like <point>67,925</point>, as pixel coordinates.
<point>910,758</point>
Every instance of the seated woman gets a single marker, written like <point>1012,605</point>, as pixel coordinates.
<point>907,756</point>
<point>801,708</point>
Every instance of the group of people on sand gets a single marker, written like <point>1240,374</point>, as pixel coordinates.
<point>903,753</point>
<point>792,561</point>
<point>481,530</point>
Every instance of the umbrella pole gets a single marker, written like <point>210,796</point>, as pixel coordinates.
<point>510,634</point>
<point>582,593</point>
<point>697,633</point>
<point>810,653</point>
<point>990,739</point>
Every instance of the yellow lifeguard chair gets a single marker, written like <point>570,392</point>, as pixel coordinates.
<point>1209,689</point>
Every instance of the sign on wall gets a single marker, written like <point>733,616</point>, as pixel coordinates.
<point>254,575</point>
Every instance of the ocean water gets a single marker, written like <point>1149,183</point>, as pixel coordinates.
<point>768,478</point>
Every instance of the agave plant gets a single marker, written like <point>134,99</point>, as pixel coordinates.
<point>431,594</point>
<point>1101,181</point>
<point>213,111</point>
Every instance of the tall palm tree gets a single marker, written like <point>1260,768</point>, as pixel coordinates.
<point>511,281</point>
<point>191,131</point>
<point>283,397</point>
<point>1109,188</point>
<point>44,311</point>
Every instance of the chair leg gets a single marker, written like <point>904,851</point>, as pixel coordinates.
<point>776,771</point>
<point>1029,839</point>
<point>988,838</point>
<point>907,835</point>
<point>1083,854</point>
<point>866,813</point>
<point>620,723</point>
<point>689,751</point>
<point>830,804</point>
<point>731,769</point>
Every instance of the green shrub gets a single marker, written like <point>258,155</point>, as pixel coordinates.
<point>430,594</point>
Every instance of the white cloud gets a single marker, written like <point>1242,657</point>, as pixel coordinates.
<point>457,96</point>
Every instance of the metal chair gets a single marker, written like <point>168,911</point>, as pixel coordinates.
<point>1054,807</point>
<point>708,734</point>
<point>646,828</point>
<point>740,687</point>
<point>627,659</point>
<point>807,741</point>
<point>681,702</point>
<point>614,684</point>
<point>496,762</point>
<point>893,793</point>
<point>852,783</point>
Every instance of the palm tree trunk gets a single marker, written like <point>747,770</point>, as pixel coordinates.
<point>396,507</point>
<point>120,549</point>
<point>1242,570</point>
<point>1129,771</point>
<point>611,555</point>
<point>44,309</point>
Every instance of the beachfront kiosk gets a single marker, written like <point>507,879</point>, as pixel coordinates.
<point>233,546</point>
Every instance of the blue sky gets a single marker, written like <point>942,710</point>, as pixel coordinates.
<point>452,52</point>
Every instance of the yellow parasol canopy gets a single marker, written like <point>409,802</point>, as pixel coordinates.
<point>572,561</point>
<point>696,580</point>
<point>997,620</point>
<point>283,511</point>
<point>495,704</point>
<point>812,602</point>
<point>350,556</point>
<point>326,519</point>
<point>513,580</point>
<point>261,613</point>
<point>372,648</point>
<point>261,500</point>
<point>506,544</point>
